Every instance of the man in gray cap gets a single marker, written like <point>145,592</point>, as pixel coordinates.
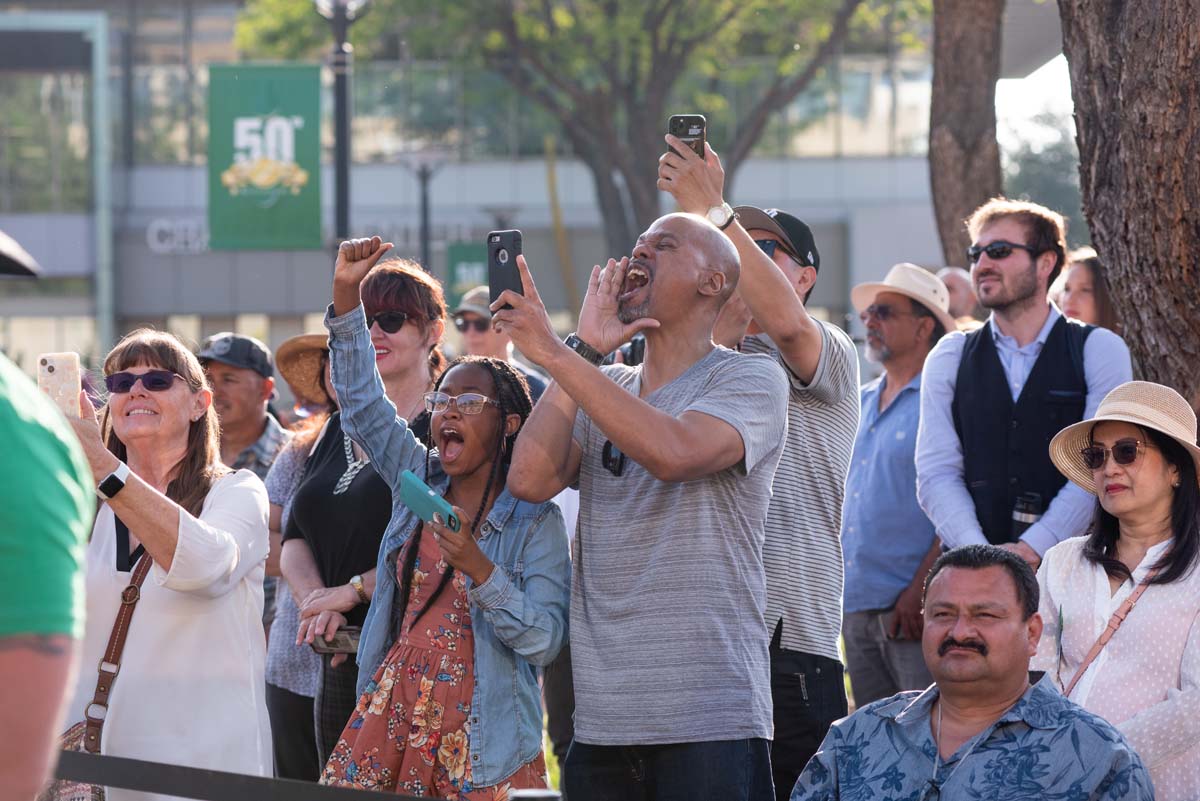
<point>802,552</point>
<point>47,499</point>
<point>473,319</point>
<point>242,374</point>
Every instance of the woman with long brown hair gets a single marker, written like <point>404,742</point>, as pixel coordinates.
<point>187,688</point>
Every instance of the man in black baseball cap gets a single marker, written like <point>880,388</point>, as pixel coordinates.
<point>802,551</point>
<point>242,373</point>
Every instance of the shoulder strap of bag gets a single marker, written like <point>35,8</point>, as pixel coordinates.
<point>1114,623</point>
<point>110,664</point>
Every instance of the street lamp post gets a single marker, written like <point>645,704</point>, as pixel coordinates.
<point>340,14</point>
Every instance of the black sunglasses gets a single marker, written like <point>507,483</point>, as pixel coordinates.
<point>769,246</point>
<point>1124,451</point>
<point>152,380</point>
<point>1000,249</point>
<point>479,324</point>
<point>883,313</point>
<point>389,321</point>
<point>612,459</point>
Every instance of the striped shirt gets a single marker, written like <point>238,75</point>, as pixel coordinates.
<point>803,550</point>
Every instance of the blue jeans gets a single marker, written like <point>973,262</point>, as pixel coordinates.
<point>725,770</point>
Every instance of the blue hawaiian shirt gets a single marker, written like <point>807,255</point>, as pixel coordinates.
<point>1044,747</point>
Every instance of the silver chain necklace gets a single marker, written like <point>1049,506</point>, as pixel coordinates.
<point>353,466</point>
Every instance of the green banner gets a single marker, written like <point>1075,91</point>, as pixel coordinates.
<point>264,157</point>
<point>467,269</point>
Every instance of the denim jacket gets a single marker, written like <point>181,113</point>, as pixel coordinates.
<point>519,615</point>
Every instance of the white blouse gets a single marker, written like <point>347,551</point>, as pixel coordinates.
<point>191,685</point>
<point>1146,681</point>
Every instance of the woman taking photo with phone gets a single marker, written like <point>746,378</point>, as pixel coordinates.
<point>449,703</point>
<point>186,688</point>
<point>341,506</point>
<point>1136,666</point>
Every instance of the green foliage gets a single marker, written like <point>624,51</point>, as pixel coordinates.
<point>1044,167</point>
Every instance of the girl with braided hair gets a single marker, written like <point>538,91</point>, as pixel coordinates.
<point>449,704</point>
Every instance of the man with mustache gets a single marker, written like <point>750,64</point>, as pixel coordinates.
<point>992,399</point>
<point>987,728</point>
<point>674,460</point>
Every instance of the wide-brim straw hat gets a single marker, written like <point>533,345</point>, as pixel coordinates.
<point>911,281</point>
<point>1141,403</point>
<point>298,360</point>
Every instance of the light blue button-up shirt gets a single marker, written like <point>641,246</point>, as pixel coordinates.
<point>940,486</point>
<point>1044,747</point>
<point>884,532</point>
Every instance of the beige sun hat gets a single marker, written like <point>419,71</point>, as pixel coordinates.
<point>911,281</point>
<point>299,362</point>
<point>1141,403</point>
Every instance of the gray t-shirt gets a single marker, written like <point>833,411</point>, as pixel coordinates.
<point>668,638</point>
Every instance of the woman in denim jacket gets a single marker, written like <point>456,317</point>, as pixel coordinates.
<point>449,703</point>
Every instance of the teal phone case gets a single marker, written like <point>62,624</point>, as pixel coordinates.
<point>418,496</point>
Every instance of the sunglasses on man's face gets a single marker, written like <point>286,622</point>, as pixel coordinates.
<point>152,380</point>
<point>997,251</point>
<point>479,324</point>
<point>769,246</point>
<point>1124,452</point>
<point>389,321</point>
<point>882,312</point>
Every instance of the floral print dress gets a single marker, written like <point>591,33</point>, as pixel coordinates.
<point>409,732</point>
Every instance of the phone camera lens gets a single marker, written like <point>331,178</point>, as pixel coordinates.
<point>502,256</point>
<point>50,369</point>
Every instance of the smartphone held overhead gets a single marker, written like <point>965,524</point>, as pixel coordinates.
<point>503,247</point>
<point>691,129</point>
<point>59,377</point>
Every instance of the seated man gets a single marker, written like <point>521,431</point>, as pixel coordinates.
<point>983,730</point>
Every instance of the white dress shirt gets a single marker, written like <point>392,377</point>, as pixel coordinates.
<point>941,489</point>
<point>191,688</point>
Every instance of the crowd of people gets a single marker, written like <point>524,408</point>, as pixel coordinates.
<point>659,563</point>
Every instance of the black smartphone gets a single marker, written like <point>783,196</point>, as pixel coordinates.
<point>690,128</point>
<point>503,247</point>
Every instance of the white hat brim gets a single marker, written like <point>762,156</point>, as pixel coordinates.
<point>863,295</point>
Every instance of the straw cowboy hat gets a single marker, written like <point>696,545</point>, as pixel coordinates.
<point>299,362</point>
<point>1141,403</point>
<point>914,282</point>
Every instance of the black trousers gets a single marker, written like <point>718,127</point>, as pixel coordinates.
<point>334,704</point>
<point>292,734</point>
<point>558,691</point>
<point>808,693</point>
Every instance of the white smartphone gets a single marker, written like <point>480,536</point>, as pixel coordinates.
<point>59,377</point>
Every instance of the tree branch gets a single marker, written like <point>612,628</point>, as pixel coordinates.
<point>783,92</point>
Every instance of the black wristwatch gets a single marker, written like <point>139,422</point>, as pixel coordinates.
<point>584,349</point>
<point>114,483</point>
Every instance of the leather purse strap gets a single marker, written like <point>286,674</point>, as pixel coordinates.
<point>1114,623</point>
<point>110,664</point>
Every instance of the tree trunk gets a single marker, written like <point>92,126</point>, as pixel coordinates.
<point>964,159</point>
<point>1135,80</point>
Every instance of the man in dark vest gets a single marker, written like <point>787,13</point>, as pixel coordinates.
<point>992,399</point>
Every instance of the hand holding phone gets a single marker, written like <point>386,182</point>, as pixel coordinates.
<point>503,247</point>
<point>59,377</point>
<point>420,497</point>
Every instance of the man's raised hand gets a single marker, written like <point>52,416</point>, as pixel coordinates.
<point>697,184</point>
<point>355,258</point>
<point>526,323</point>
<point>599,323</point>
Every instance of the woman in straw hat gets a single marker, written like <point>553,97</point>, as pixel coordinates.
<point>1137,667</point>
